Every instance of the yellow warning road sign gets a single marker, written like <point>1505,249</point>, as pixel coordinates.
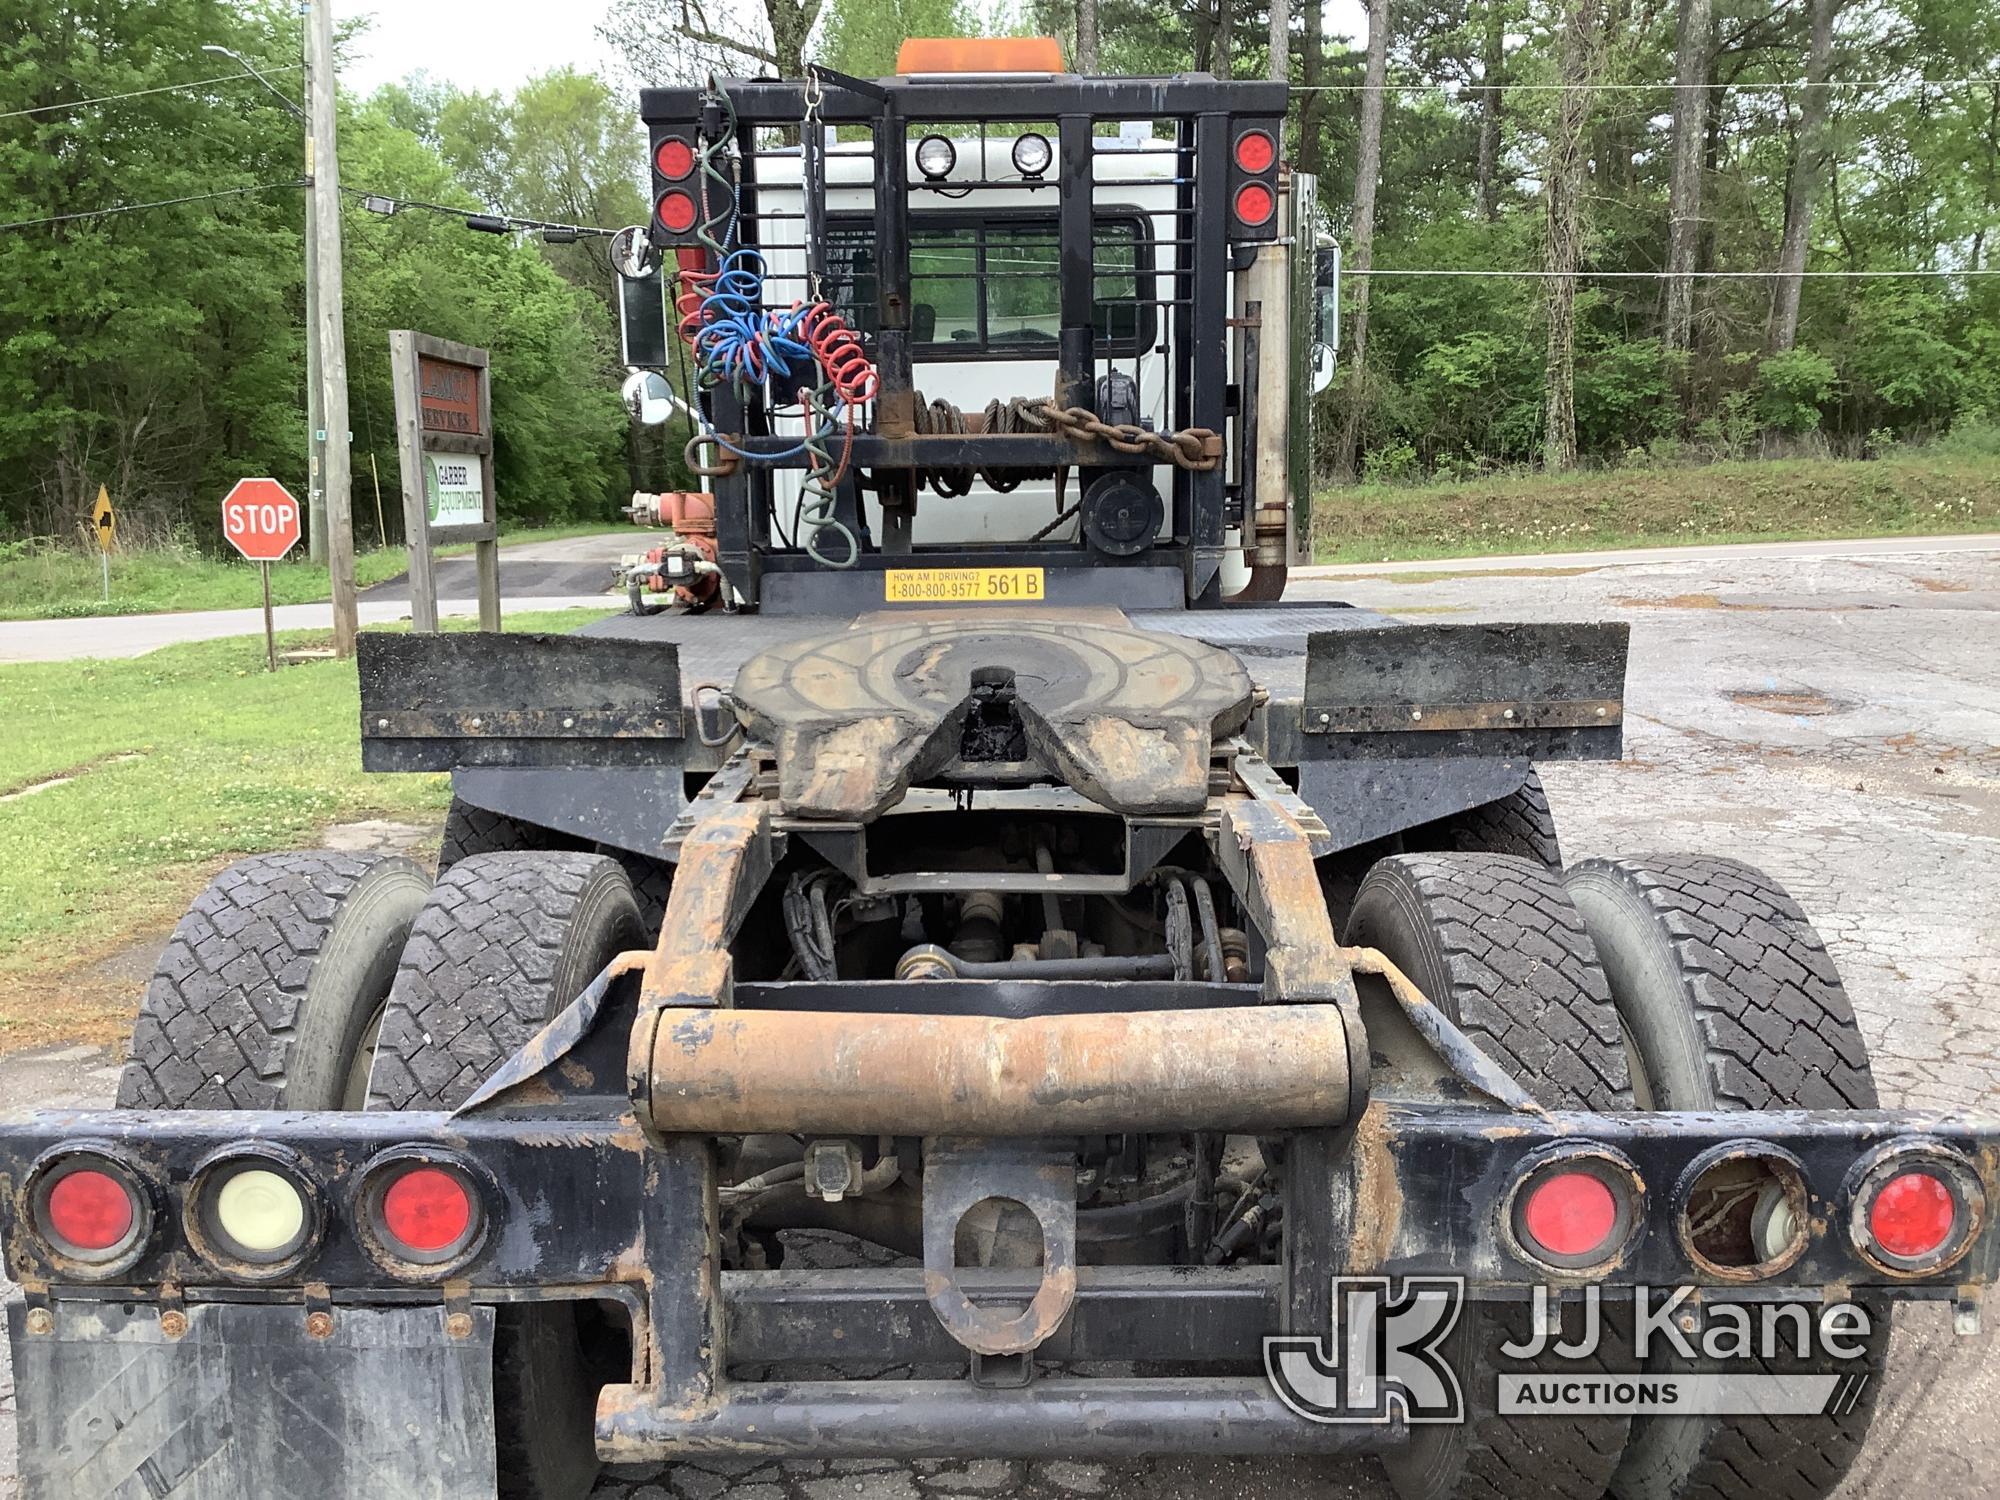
<point>104,519</point>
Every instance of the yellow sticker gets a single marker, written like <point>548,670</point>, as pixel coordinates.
<point>963,586</point>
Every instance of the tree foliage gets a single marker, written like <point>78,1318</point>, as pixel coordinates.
<point>161,353</point>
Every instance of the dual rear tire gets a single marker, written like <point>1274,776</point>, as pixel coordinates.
<point>329,981</point>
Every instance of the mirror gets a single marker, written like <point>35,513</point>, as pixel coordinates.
<point>632,254</point>
<point>1326,317</point>
<point>648,397</point>
<point>1323,366</point>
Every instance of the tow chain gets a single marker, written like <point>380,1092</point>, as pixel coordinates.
<point>1194,448</point>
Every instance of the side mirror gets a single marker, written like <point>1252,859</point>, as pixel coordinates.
<point>1326,284</point>
<point>648,397</point>
<point>632,254</point>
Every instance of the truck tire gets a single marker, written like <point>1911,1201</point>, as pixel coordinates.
<point>652,882</point>
<point>1550,1023</point>
<point>504,943</point>
<point>1731,1002</point>
<point>1519,823</point>
<point>270,990</point>
<point>474,830</point>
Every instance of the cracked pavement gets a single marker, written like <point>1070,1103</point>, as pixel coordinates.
<point>1835,719</point>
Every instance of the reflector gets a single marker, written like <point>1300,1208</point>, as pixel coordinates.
<point>261,1211</point>
<point>1570,1213</point>
<point>1912,1215</point>
<point>426,1210</point>
<point>89,1210</point>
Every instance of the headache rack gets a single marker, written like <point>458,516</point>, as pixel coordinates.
<point>1109,267</point>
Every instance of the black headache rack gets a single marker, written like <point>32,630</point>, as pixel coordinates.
<point>1129,281</point>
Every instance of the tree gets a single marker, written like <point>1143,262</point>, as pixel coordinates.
<point>1808,167</point>
<point>1691,73</point>
<point>1492,59</point>
<point>861,37</point>
<point>1562,243</point>
<point>1281,41</point>
<point>1086,36</point>
<point>655,40</point>
<point>1367,170</point>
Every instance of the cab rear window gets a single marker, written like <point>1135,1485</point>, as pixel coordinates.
<point>987,286</point>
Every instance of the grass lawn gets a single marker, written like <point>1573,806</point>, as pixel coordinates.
<point>58,584</point>
<point>124,785</point>
<point>1923,492</point>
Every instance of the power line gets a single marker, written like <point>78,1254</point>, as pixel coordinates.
<point>489,220</point>
<point>1670,275</point>
<point>1612,88</point>
<point>165,88</point>
<point>133,208</point>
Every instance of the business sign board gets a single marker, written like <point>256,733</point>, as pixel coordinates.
<point>444,439</point>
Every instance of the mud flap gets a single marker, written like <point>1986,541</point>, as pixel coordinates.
<point>244,1403</point>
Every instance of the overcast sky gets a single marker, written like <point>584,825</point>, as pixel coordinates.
<point>499,44</point>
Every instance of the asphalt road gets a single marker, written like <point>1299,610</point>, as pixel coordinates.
<point>1833,717</point>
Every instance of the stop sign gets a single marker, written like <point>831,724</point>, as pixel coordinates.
<point>260,519</point>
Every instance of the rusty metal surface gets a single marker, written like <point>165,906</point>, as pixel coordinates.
<point>958,1176</point>
<point>1436,1028</point>
<point>1227,1068</point>
<point>1123,715</point>
<point>1515,713</point>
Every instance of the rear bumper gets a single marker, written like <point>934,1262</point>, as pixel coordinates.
<point>593,1210</point>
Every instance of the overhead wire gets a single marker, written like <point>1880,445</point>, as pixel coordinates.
<point>165,88</point>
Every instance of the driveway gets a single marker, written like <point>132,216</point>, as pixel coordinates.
<point>1833,716</point>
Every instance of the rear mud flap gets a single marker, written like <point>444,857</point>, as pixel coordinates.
<point>244,1403</point>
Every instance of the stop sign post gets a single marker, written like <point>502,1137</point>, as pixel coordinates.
<point>260,519</point>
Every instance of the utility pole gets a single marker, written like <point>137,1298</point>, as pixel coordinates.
<point>329,319</point>
<point>315,417</point>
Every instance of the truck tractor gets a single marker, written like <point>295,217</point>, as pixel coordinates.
<point>967,853</point>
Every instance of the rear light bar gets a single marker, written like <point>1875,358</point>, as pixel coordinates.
<point>1253,178</point>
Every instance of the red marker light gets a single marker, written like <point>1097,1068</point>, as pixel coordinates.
<point>676,212</point>
<point>426,1210</point>
<point>1254,203</point>
<point>1570,1214</point>
<point>89,1210</point>
<point>1255,151</point>
<point>674,159</point>
<point>1912,1215</point>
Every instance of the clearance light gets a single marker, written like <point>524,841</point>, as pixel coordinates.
<point>1255,151</point>
<point>676,212</point>
<point>427,1214</point>
<point>674,159</point>
<point>1255,204</point>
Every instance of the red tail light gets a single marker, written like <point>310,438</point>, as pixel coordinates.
<point>676,212</point>
<point>1570,1213</point>
<point>93,1212</point>
<point>1255,151</point>
<point>1576,1212</point>
<point>674,158</point>
<point>90,1210</point>
<point>1255,204</point>
<point>1912,1215</point>
<point>426,1210</point>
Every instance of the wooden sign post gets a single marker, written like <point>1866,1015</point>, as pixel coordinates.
<point>444,438</point>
